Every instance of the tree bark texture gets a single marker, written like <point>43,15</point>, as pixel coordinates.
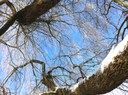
<point>39,7</point>
<point>101,83</point>
<point>98,83</point>
<point>123,3</point>
<point>30,13</point>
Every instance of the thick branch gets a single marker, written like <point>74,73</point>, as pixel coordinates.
<point>29,14</point>
<point>112,77</point>
<point>39,7</point>
<point>122,3</point>
<point>48,81</point>
<point>101,83</point>
<point>11,20</point>
<point>8,24</point>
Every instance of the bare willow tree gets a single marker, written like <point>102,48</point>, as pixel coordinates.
<point>47,46</point>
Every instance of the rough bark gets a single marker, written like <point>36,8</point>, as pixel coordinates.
<point>39,7</point>
<point>29,14</point>
<point>47,81</point>
<point>122,3</point>
<point>101,83</point>
<point>98,83</point>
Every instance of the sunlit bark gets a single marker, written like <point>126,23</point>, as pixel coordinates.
<point>122,3</point>
<point>101,83</point>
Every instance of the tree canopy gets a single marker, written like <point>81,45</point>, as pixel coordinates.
<point>57,47</point>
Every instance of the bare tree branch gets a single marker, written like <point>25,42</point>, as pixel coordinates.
<point>119,30</point>
<point>101,83</point>
<point>25,16</point>
<point>23,65</point>
<point>11,6</point>
<point>38,8</point>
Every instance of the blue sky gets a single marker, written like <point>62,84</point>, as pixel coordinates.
<point>81,40</point>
